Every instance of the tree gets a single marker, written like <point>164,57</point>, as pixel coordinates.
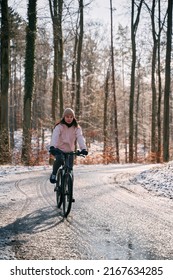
<point>159,89</point>
<point>137,108</point>
<point>113,86</point>
<point>153,85</point>
<point>156,103</point>
<point>78,63</point>
<point>4,120</point>
<point>105,120</point>
<point>57,92</point>
<point>29,80</point>
<point>134,27</point>
<point>73,72</point>
<point>166,121</point>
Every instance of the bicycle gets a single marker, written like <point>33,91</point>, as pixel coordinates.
<point>64,182</point>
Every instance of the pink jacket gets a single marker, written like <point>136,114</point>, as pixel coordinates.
<point>64,138</point>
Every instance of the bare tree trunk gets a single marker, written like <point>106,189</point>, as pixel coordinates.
<point>134,26</point>
<point>60,57</point>
<point>153,86</point>
<point>137,113</point>
<point>57,91</point>
<point>105,121</point>
<point>113,87</point>
<point>159,92</point>
<point>73,88</point>
<point>78,66</point>
<point>29,80</point>
<point>167,84</point>
<point>4,121</point>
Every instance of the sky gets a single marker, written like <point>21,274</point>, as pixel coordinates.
<point>99,9</point>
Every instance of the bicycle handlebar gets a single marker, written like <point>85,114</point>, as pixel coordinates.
<point>57,151</point>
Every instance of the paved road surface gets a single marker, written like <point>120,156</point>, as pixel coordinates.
<point>111,218</point>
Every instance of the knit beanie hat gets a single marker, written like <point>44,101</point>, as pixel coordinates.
<point>68,111</point>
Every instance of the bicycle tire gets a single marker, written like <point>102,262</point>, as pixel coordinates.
<point>67,194</point>
<point>59,189</point>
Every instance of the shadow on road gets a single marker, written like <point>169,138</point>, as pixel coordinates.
<point>37,221</point>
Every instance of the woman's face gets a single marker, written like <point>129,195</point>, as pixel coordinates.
<point>68,119</point>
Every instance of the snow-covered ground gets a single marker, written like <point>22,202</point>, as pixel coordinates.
<point>157,179</point>
<point>8,170</point>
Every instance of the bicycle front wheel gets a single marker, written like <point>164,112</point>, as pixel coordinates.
<point>67,194</point>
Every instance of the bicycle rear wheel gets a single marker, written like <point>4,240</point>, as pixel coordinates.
<point>67,194</point>
<point>59,188</point>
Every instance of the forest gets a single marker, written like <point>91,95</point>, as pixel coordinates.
<point>117,78</point>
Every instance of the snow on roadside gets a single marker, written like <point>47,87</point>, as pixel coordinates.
<point>158,179</point>
<point>6,170</point>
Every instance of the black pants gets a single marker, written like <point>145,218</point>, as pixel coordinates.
<point>60,161</point>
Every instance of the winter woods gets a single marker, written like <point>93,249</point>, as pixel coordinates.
<point>118,79</point>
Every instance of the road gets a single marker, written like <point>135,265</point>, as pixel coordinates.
<point>111,219</point>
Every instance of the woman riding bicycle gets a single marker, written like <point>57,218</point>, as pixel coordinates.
<point>64,136</point>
